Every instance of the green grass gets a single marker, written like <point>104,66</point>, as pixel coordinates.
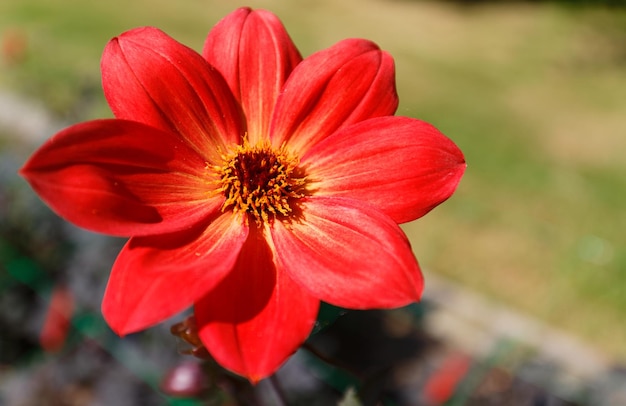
<point>533,94</point>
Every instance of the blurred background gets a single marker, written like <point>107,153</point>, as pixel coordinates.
<point>525,264</point>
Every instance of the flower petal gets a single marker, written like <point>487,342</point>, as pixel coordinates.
<point>349,82</point>
<point>256,55</point>
<point>257,317</point>
<point>122,178</point>
<point>348,254</point>
<point>149,77</point>
<point>403,166</point>
<point>156,277</point>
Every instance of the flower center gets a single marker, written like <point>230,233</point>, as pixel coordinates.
<point>261,181</point>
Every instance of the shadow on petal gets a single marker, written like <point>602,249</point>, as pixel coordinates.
<point>248,287</point>
<point>258,316</point>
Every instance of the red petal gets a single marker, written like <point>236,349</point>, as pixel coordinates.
<point>122,178</point>
<point>257,317</point>
<point>352,81</point>
<point>404,167</point>
<point>349,254</point>
<point>156,277</point>
<point>149,77</point>
<point>256,55</point>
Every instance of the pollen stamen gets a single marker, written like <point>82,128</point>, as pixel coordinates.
<point>260,181</point>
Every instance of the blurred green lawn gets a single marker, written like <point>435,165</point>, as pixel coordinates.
<point>535,95</point>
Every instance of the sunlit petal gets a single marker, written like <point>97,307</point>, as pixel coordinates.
<point>404,167</point>
<point>348,254</point>
<point>122,178</point>
<point>156,277</point>
<point>349,82</point>
<point>149,77</point>
<point>253,51</point>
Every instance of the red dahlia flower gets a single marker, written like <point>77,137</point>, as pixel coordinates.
<point>252,184</point>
